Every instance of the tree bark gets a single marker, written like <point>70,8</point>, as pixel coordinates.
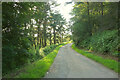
<point>50,39</point>
<point>54,35</point>
<point>89,26</point>
<point>101,16</point>
<point>44,33</point>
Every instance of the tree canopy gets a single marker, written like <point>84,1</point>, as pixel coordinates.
<point>28,26</point>
<point>95,26</point>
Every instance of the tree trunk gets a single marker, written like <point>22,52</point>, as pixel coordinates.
<point>54,35</point>
<point>38,37</point>
<point>25,29</point>
<point>42,42</point>
<point>50,39</point>
<point>89,26</point>
<point>44,33</point>
<point>39,34</point>
<point>102,7</point>
<point>101,17</point>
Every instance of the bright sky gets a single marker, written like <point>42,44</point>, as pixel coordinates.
<point>64,9</point>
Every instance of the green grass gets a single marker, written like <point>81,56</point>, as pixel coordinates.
<point>39,68</point>
<point>112,64</point>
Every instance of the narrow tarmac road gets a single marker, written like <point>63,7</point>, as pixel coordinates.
<point>70,64</point>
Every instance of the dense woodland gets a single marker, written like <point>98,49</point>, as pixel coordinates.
<point>32,30</point>
<point>95,26</point>
<point>26,28</point>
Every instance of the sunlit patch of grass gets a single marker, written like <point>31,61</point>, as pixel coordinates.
<point>112,64</point>
<point>39,68</point>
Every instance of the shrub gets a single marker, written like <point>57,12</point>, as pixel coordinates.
<point>49,49</point>
<point>14,54</point>
<point>105,42</point>
<point>34,53</point>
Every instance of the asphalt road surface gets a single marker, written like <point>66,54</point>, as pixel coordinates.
<point>70,64</point>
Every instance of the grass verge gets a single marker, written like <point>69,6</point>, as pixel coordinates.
<point>112,64</point>
<point>39,68</point>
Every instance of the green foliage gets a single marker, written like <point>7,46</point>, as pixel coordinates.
<point>34,54</point>
<point>48,49</point>
<point>94,27</point>
<point>18,55</point>
<point>112,64</point>
<point>20,23</point>
<point>40,67</point>
<point>105,42</point>
<point>15,39</point>
<point>18,60</point>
